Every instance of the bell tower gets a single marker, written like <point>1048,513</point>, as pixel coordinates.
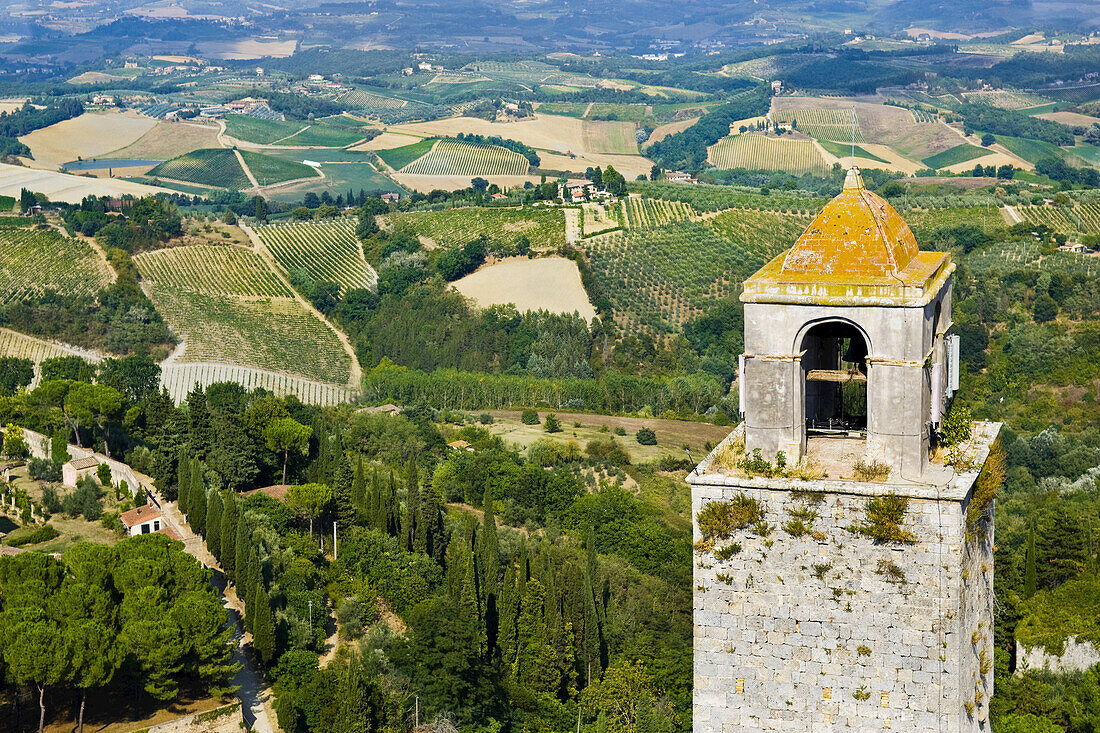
<point>843,563</point>
<point>844,335</point>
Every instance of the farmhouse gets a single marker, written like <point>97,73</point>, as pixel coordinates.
<point>73,470</point>
<point>391,198</point>
<point>146,520</point>
<point>680,177</point>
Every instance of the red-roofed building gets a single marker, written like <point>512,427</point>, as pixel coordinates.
<point>144,520</point>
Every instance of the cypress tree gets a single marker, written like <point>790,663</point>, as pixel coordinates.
<point>197,488</point>
<point>342,493</point>
<point>229,534</point>
<point>359,489</point>
<point>508,615</point>
<point>198,506</point>
<point>590,642</point>
<point>1030,575</point>
<point>183,481</point>
<point>214,524</point>
<point>198,423</point>
<point>429,526</point>
<point>393,510</point>
<point>240,560</point>
<point>490,549</point>
<point>263,628</point>
<point>412,491</point>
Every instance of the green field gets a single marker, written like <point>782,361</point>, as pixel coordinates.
<point>323,250</point>
<point>958,154</point>
<point>263,132</point>
<point>842,150</point>
<point>658,279</point>
<point>1008,256</point>
<point>759,152</point>
<point>211,270</point>
<point>326,136</point>
<point>369,102</point>
<point>1031,150</point>
<point>215,167</point>
<point>268,169</point>
<point>455,158</point>
<point>545,227</point>
<point>33,261</point>
<point>398,158</point>
<point>276,334</point>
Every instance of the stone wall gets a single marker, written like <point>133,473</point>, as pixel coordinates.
<point>1079,656</point>
<point>226,719</point>
<point>831,631</point>
<point>39,446</point>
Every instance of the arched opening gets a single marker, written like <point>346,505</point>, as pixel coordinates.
<point>834,377</point>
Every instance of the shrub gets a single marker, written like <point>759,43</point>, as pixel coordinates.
<point>51,499</point>
<point>956,427</point>
<point>620,430</point>
<point>529,417</point>
<point>721,518</point>
<point>885,515</point>
<point>893,573</point>
<point>103,473</point>
<point>874,471</point>
<point>607,450</point>
<point>725,553</point>
<point>863,650</point>
<point>30,535</point>
<point>645,436</point>
<point>552,424</point>
<point>485,418</point>
<point>42,469</point>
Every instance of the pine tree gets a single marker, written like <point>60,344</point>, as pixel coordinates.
<point>199,424</point>
<point>214,524</point>
<point>412,487</point>
<point>342,493</point>
<point>1030,575</point>
<point>263,627</point>
<point>229,534</point>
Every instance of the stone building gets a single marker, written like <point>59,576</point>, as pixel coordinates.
<point>843,561</point>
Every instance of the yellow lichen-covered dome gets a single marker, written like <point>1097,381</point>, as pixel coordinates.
<point>857,233</point>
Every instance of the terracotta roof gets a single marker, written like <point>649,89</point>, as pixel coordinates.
<point>277,492</point>
<point>139,515</point>
<point>169,532</point>
<point>81,463</point>
<point>858,250</point>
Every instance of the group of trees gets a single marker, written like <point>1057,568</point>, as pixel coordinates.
<point>29,118</point>
<point>687,150</point>
<point>987,118</point>
<point>138,618</point>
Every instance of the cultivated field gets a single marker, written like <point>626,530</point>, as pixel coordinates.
<point>670,128</point>
<point>427,184</point>
<point>597,217</point>
<point>269,170</point>
<point>211,270</point>
<point>90,135</point>
<point>33,261</point>
<point>369,102</point>
<point>767,153</point>
<point>657,279</point>
<point>327,250</point>
<point>643,212</point>
<point>247,48</point>
<point>824,124</point>
<point>1072,119</point>
<point>454,158</point>
<point>546,283</point>
<point>168,140</point>
<point>21,346</point>
<point>543,131</point>
<point>882,124</point>
<point>66,187</point>
<point>959,154</point>
<point>1080,219</point>
<point>1004,99</point>
<point>274,334</point>
<point>544,226</point>
<point>213,167</point>
<point>262,132</point>
<point>180,379</point>
<point>1029,255</point>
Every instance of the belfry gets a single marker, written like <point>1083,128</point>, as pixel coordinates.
<point>843,561</point>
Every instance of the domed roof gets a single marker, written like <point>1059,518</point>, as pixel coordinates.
<point>857,233</point>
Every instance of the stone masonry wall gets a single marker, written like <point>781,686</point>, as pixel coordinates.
<point>836,633</point>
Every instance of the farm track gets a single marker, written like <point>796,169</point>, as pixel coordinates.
<point>356,377</point>
<point>246,169</point>
<point>1011,215</point>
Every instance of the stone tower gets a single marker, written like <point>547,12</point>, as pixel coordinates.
<point>843,567</point>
